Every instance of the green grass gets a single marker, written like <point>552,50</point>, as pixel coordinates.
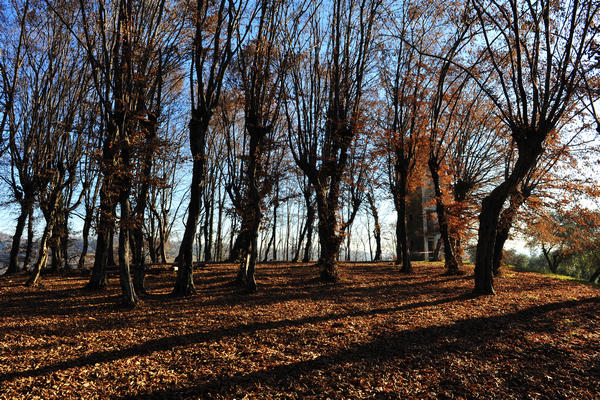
<point>551,275</point>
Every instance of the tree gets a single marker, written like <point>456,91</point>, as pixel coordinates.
<point>406,82</point>
<point>534,52</point>
<point>215,25</point>
<point>331,74</point>
<point>448,92</point>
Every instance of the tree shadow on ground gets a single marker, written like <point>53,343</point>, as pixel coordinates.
<point>437,346</point>
<point>465,333</point>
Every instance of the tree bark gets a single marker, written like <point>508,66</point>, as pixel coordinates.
<point>198,127</point>
<point>529,147</point>
<point>449,256</point>
<point>377,228</point>
<point>219,244</point>
<point>129,297</point>
<point>111,245</point>
<point>13,262</point>
<point>329,240</point>
<point>402,250</point>
<point>29,246</point>
<point>505,222</point>
<point>42,256</point>
<point>98,279</point>
<point>310,221</point>
<point>85,235</point>
<point>301,236</point>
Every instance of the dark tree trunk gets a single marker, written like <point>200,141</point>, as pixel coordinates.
<point>241,242</point>
<point>209,206</point>
<point>139,264</point>
<point>505,222</point>
<point>449,255</point>
<point>436,252</point>
<point>310,222</point>
<point>274,238</point>
<point>553,260</point>
<point>274,229</point>
<point>29,246</point>
<point>529,147</point>
<point>253,253</point>
<point>377,228</point>
<point>65,242</point>
<point>595,276</point>
<point>184,285</point>
<point>329,239</point>
<point>98,279</point>
<point>296,257</point>
<point>137,234</point>
<point>13,261</point>
<point>129,296</point>
<point>252,210</point>
<point>151,240</point>
<point>219,244</point>
<point>42,256</point>
<point>85,236</point>
<point>111,245</point>
<point>162,249</point>
<point>56,243</point>
<point>402,250</point>
<point>268,248</point>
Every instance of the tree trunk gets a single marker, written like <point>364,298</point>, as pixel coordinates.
<point>209,206</point>
<point>377,228</point>
<point>402,251</point>
<point>42,256</point>
<point>65,242</point>
<point>436,252</point>
<point>253,253</point>
<point>301,236</point>
<point>139,264</point>
<point>240,243</point>
<point>552,261</point>
<point>13,261</point>
<point>329,240</point>
<point>56,243</point>
<point>98,279</point>
<point>529,148</point>
<point>29,247</point>
<point>87,224</point>
<point>595,276</point>
<point>310,221</point>
<point>111,245</point>
<point>129,296</point>
<point>449,255</point>
<point>198,127</point>
<point>219,244</point>
<point>505,222</point>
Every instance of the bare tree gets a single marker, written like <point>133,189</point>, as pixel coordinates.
<point>212,49</point>
<point>325,111</point>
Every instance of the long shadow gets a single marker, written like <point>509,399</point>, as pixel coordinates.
<point>467,334</point>
<point>167,343</point>
<point>62,302</point>
<point>270,293</point>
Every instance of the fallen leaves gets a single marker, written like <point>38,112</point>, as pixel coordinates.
<point>377,334</point>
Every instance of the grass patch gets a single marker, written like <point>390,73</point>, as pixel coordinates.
<point>550,275</point>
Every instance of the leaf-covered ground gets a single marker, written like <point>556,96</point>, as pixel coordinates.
<point>377,334</point>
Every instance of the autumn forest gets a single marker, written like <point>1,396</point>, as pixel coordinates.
<point>251,173</point>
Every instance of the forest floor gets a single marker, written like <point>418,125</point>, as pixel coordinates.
<point>377,334</point>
